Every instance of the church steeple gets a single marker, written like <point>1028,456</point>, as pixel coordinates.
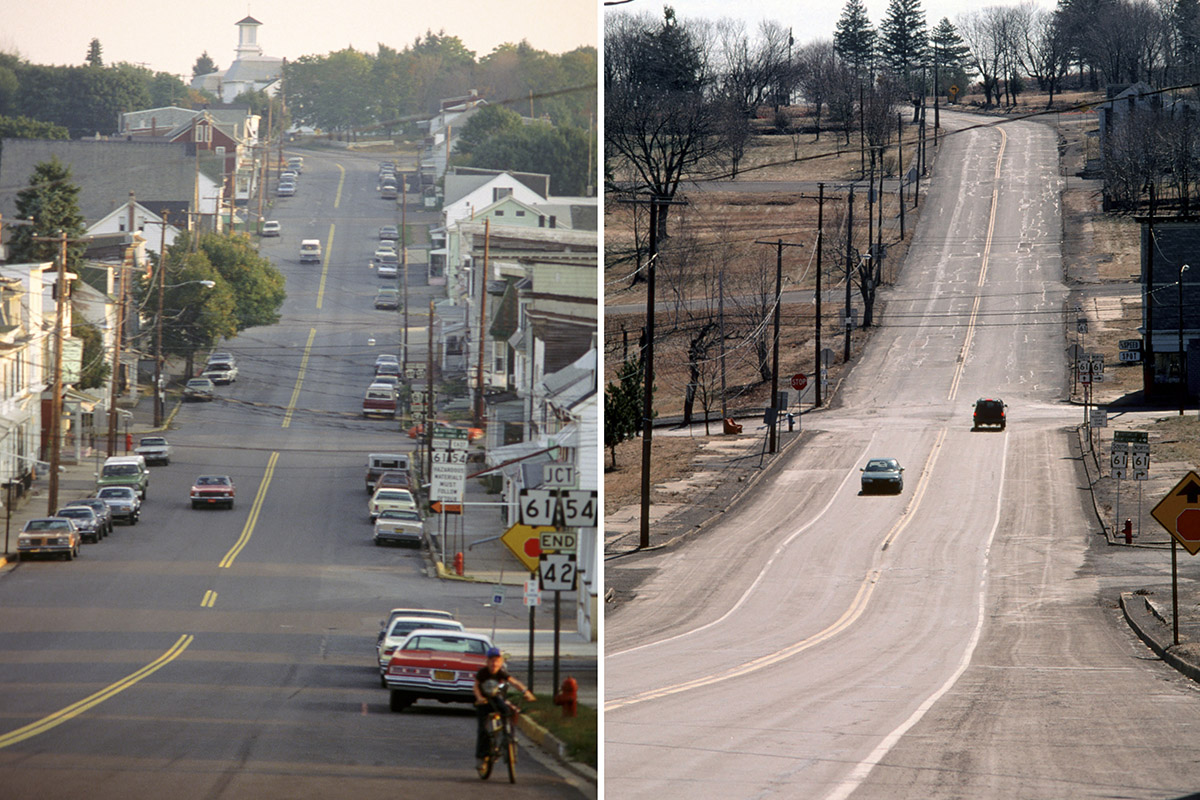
<point>248,45</point>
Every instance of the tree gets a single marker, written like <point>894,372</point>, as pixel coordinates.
<point>623,400</point>
<point>1185,41</point>
<point>949,54</point>
<point>903,39</point>
<point>257,283</point>
<point>95,367</point>
<point>94,59</point>
<point>562,153</point>
<point>51,201</point>
<point>815,66</point>
<point>983,33</point>
<point>485,123</point>
<point>854,40</point>
<point>204,65</point>
<point>26,128</point>
<point>659,123</point>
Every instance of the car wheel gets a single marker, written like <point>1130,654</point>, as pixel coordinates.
<point>382,681</point>
<point>133,520</point>
<point>230,505</point>
<point>398,701</point>
<point>195,504</point>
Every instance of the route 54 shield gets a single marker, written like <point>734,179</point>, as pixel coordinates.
<point>557,572</point>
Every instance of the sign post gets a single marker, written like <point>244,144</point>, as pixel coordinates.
<point>1179,513</point>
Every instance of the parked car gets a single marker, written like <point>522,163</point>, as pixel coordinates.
<point>211,490</point>
<point>394,479</point>
<point>271,228</point>
<point>199,390</point>
<point>385,249</point>
<point>48,536</point>
<point>154,449</point>
<point>389,232</point>
<point>103,512</point>
<point>379,463</point>
<point>286,190</point>
<point>882,473</point>
<point>384,499</point>
<point>222,358</point>
<point>387,299</point>
<point>386,358</point>
<point>387,368</point>
<point>85,519</point>
<point>220,372</point>
<point>438,665</point>
<point>125,471</point>
<point>430,613</point>
<point>379,401</point>
<point>989,411</point>
<point>124,502</point>
<point>296,163</point>
<point>399,526</point>
<point>390,381</point>
<point>387,269</point>
<point>399,629</point>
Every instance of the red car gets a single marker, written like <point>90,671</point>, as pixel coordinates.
<point>437,665</point>
<point>211,490</point>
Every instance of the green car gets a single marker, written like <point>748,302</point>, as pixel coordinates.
<point>125,471</point>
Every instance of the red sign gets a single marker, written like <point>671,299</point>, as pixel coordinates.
<point>799,381</point>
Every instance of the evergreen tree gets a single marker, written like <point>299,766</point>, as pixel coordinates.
<point>623,402</point>
<point>854,39</point>
<point>51,201</point>
<point>903,38</point>
<point>1185,29</point>
<point>949,54</point>
<point>94,59</point>
<point>203,66</point>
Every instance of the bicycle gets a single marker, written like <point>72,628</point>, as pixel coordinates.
<point>501,727</point>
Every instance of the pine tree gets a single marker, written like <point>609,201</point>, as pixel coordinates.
<point>94,59</point>
<point>1185,27</point>
<point>903,38</point>
<point>854,39</point>
<point>204,65</point>
<point>51,201</point>
<point>949,54</point>
<point>623,401</point>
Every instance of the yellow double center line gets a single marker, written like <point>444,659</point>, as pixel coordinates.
<point>75,709</point>
<point>248,529</point>
<point>287,417</point>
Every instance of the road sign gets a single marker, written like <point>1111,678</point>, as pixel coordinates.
<point>1179,512</point>
<point>827,355</point>
<point>533,594</point>
<point>558,475</point>
<point>439,507</point>
<point>1099,418</point>
<point>1140,437</point>
<point>1130,344</point>
<point>414,371</point>
<point>450,444</point>
<point>525,543</point>
<point>1081,325</point>
<point>557,573</point>
<point>799,381</point>
<point>448,475</point>
<point>559,542</point>
<point>1130,356</point>
<point>1083,365</point>
<point>446,432</point>
<point>1097,360</point>
<point>580,508</point>
<point>536,506</point>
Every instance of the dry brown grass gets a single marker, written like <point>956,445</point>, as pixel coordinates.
<point>670,459</point>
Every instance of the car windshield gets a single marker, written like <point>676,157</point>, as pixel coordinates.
<point>447,644</point>
<point>120,470</point>
<point>153,441</point>
<point>882,465</point>
<point>46,525</point>
<point>75,511</point>
<point>212,480</point>
<point>117,492</point>
<point>197,383</point>
<point>403,627</point>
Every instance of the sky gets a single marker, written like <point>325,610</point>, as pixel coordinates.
<point>169,37</point>
<point>810,20</point>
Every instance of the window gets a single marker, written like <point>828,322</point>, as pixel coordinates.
<point>499,212</point>
<point>499,192</point>
<point>520,213</point>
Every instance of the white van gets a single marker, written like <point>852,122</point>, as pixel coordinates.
<point>310,250</point>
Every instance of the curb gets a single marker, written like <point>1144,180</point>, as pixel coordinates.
<point>551,744</point>
<point>1185,668</point>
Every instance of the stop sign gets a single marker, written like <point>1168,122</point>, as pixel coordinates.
<point>1188,525</point>
<point>799,381</point>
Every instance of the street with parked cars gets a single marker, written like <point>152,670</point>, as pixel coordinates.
<point>247,641</point>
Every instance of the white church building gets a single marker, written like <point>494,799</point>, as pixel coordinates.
<point>250,70</point>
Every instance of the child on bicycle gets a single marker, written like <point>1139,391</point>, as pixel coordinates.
<point>492,671</point>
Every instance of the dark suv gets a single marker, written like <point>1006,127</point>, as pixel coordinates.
<point>989,411</point>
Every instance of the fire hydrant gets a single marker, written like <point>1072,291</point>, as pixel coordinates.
<point>568,697</point>
<point>128,442</point>
<point>1128,531</point>
<point>458,563</point>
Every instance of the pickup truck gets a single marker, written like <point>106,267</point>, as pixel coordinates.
<point>379,463</point>
<point>379,401</point>
<point>154,449</point>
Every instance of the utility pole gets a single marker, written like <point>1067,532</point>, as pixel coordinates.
<point>158,327</point>
<point>116,365</point>
<point>849,267</point>
<point>404,267</point>
<point>900,166</point>
<point>773,428</point>
<point>819,370</point>
<point>655,203</point>
<point>721,318</point>
<point>483,292</point>
<point>429,398</point>
<point>60,296</point>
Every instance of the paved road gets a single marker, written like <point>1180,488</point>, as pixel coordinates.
<point>952,641</point>
<point>228,654</point>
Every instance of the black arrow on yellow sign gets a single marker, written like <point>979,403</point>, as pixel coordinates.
<point>1191,492</point>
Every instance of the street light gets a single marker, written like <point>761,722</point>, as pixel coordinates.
<point>1183,388</point>
<point>158,358</point>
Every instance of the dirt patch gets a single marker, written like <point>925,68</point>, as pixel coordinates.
<point>671,459</point>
